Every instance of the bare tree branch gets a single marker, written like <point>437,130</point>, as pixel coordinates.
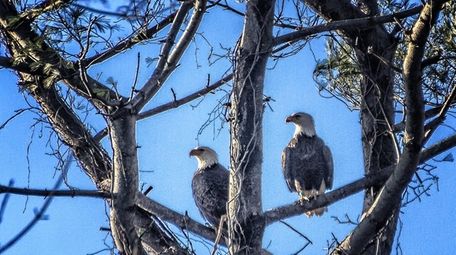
<point>168,59</point>
<point>175,218</point>
<point>5,201</point>
<point>54,192</point>
<point>184,100</point>
<point>359,23</point>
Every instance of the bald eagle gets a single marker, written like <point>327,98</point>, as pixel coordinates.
<point>210,185</point>
<point>306,161</point>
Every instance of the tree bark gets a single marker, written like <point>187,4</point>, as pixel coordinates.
<point>245,223</point>
<point>124,183</point>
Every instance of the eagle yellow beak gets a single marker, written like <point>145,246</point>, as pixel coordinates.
<point>194,152</point>
<point>290,119</point>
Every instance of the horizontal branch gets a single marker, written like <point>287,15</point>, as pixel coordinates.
<point>359,23</point>
<point>331,197</point>
<point>326,199</point>
<point>176,103</point>
<point>54,193</point>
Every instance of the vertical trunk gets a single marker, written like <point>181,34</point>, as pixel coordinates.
<point>124,184</point>
<point>377,118</point>
<point>245,224</point>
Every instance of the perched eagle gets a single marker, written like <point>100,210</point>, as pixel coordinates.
<point>210,185</point>
<point>306,161</point>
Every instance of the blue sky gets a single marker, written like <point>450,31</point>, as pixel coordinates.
<point>165,139</point>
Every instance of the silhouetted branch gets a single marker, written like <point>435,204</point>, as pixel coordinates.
<point>16,113</point>
<point>54,192</point>
<point>435,123</point>
<point>45,6</point>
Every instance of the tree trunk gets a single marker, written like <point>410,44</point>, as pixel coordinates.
<point>377,119</point>
<point>124,184</point>
<point>245,224</point>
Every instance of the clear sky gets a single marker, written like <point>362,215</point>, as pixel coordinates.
<point>165,140</point>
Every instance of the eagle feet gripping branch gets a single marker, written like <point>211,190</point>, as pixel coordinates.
<point>307,162</point>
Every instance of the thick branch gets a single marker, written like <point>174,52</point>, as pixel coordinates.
<point>26,45</point>
<point>45,6</point>
<point>175,218</point>
<point>299,207</point>
<point>359,23</point>
<point>125,181</point>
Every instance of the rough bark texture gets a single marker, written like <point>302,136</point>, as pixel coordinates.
<point>245,224</point>
<point>124,184</point>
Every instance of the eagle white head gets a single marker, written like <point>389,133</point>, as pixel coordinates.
<point>206,156</point>
<point>304,123</point>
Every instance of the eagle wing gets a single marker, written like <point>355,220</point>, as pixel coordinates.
<point>288,169</point>
<point>329,170</point>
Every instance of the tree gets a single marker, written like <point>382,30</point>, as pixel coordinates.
<point>389,60</point>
